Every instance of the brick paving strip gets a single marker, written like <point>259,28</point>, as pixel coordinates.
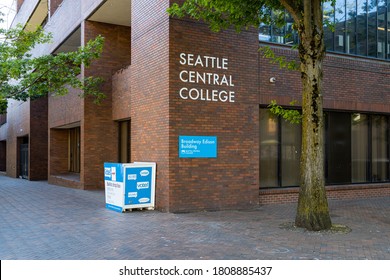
<point>42,221</point>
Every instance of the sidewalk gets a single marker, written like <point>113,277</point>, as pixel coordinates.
<point>42,221</point>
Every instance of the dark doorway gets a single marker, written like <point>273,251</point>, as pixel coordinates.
<point>74,150</point>
<point>23,157</point>
<point>3,156</point>
<point>124,141</point>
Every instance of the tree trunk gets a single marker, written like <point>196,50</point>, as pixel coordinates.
<point>313,211</point>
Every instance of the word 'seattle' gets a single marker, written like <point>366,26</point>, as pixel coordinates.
<point>206,78</point>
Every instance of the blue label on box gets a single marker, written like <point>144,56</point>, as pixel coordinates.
<point>113,172</point>
<point>138,185</point>
<point>198,146</point>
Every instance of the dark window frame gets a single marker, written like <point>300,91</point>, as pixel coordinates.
<point>369,176</point>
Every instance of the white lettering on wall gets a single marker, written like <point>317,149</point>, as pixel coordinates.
<point>206,78</point>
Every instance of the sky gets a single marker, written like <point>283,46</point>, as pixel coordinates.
<point>7,7</point>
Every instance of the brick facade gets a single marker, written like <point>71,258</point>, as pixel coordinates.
<point>38,152</point>
<point>54,4</point>
<point>362,86</point>
<point>149,85</point>
<point>142,67</point>
<point>230,180</point>
<point>17,126</point>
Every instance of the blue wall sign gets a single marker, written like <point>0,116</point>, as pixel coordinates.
<point>198,146</point>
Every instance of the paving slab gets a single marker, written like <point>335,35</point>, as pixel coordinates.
<point>45,222</point>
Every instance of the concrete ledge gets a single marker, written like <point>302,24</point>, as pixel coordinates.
<point>70,180</point>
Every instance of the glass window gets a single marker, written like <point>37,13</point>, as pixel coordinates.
<point>380,156</point>
<point>290,153</point>
<point>356,149</point>
<point>372,28</point>
<point>388,29</point>
<point>340,26</point>
<point>359,147</point>
<point>338,148</point>
<point>328,26</point>
<point>361,27</point>
<point>269,149</point>
<point>291,37</point>
<point>352,26</point>
<point>280,151</point>
<point>382,11</point>
<point>350,46</point>
<point>265,33</point>
<point>277,32</point>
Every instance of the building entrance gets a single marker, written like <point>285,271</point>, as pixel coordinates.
<point>23,158</point>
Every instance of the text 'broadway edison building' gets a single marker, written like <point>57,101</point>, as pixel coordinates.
<point>195,102</point>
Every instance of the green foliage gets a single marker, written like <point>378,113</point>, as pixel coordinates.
<point>290,115</point>
<point>3,104</point>
<point>281,60</point>
<point>222,14</point>
<point>240,14</point>
<point>24,77</point>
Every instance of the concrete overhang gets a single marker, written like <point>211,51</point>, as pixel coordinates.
<point>68,126</point>
<point>113,12</point>
<point>38,16</point>
<point>72,43</point>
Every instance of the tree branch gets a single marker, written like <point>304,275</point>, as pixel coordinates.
<point>307,19</point>
<point>34,82</point>
<point>317,13</point>
<point>291,7</point>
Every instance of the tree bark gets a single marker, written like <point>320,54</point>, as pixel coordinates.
<point>313,210</point>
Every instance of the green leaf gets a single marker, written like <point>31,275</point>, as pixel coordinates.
<point>290,115</point>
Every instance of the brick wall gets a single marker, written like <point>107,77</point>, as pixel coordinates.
<point>229,181</point>
<point>38,153</point>
<point>18,125</point>
<point>54,4</point>
<point>350,83</point>
<point>58,153</point>
<point>150,91</point>
<point>121,94</point>
<point>333,193</point>
<point>98,132</point>
<point>64,110</point>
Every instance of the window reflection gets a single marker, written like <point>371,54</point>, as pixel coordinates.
<point>290,153</point>
<point>361,27</point>
<point>268,149</point>
<point>380,160</point>
<point>359,148</point>
<point>356,149</point>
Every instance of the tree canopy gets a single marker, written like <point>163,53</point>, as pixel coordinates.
<point>24,76</point>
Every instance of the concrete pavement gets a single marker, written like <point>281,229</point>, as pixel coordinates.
<point>42,221</point>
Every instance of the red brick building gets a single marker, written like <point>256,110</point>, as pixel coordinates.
<point>166,78</point>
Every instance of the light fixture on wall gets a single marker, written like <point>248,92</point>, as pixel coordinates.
<point>272,80</point>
